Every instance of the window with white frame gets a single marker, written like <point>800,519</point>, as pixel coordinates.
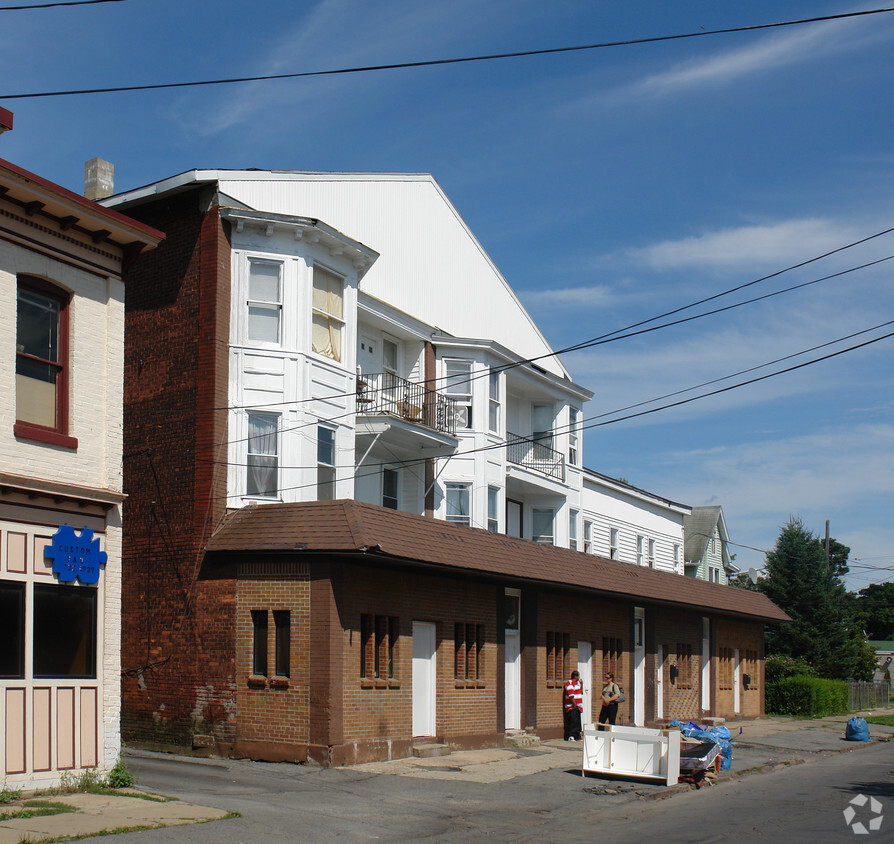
<point>264,301</point>
<point>328,313</point>
<point>542,417</point>
<point>458,386</point>
<point>676,556</point>
<point>493,509</point>
<point>325,463</point>
<point>573,423</point>
<point>493,407</point>
<point>391,489</point>
<point>640,550</point>
<point>390,356</point>
<point>542,521</point>
<point>572,529</point>
<point>263,455</point>
<point>613,543</point>
<point>459,502</point>
<point>588,537</point>
<point>651,547</point>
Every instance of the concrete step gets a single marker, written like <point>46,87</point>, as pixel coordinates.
<point>520,739</point>
<point>713,722</point>
<point>427,751</point>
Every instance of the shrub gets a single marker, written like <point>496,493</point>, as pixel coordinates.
<point>119,776</point>
<point>807,696</point>
<point>779,667</point>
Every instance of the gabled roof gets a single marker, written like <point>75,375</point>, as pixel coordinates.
<point>698,528</point>
<point>375,533</point>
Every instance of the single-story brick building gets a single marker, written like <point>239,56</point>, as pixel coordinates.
<point>342,632</point>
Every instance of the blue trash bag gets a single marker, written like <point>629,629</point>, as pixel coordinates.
<point>857,730</point>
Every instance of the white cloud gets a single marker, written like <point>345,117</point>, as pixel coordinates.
<point>778,243</point>
<point>595,296</point>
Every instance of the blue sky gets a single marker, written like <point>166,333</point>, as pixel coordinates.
<point>608,186</point>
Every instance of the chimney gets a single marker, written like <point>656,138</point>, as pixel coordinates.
<point>99,179</point>
<point>5,120</point>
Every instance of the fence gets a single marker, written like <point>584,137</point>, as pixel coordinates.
<point>872,694</point>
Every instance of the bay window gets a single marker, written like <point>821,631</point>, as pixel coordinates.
<point>263,456</point>
<point>328,313</point>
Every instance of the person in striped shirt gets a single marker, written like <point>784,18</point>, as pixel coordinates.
<point>574,705</point>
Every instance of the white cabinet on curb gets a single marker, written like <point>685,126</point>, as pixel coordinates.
<point>640,752</point>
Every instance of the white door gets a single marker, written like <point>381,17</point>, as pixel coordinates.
<point>368,355</point>
<point>639,666</point>
<point>424,678</point>
<point>513,680</point>
<point>659,682</point>
<point>706,665</point>
<point>585,668</point>
<point>736,689</point>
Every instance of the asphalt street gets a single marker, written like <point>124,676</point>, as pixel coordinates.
<point>792,803</point>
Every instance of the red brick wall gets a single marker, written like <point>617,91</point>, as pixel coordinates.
<point>748,638</point>
<point>682,699</point>
<point>584,619</point>
<point>178,644</point>
<point>274,710</point>
<point>378,710</point>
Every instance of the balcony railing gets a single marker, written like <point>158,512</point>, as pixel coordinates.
<point>536,455</point>
<point>386,394</point>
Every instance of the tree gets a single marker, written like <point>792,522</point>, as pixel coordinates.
<point>802,582</point>
<point>873,610</point>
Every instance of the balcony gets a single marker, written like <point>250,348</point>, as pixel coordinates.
<point>386,394</point>
<point>535,455</point>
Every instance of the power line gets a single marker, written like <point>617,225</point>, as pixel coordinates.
<point>619,333</point>
<point>593,421</point>
<point>55,5</point>
<point>452,61</point>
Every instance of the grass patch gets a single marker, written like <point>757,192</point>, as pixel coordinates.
<point>36,809</point>
<point>9,795</point>
<point>883,720</point>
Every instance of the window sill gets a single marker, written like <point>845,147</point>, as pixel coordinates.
<point>470,684</point>
<point>369,683</point>
<point>27,431</point>
<point>257,681</point>
<point>279,683</point>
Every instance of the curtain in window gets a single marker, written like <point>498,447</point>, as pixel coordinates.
<point>262,454</point>
<point>328,310</point>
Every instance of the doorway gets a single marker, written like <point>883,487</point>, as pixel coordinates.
<point>512,660</point>
<point>585,669</point>
<point>424,678</point>
<point>514,523</point>
<point>639,666</point>
<point>659,682</point>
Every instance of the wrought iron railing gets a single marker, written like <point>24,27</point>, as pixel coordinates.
<point>386,394</point>
<point>535,454</point>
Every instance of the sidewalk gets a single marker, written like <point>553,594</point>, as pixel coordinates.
<point>97,814</point>
<point>758,747</point>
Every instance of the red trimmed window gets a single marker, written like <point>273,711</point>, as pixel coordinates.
<point>42,363</point>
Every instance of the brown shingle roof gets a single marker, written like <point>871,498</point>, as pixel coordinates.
<point>354,526</point>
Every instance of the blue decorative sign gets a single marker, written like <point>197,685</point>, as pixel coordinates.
<point>75,557</point>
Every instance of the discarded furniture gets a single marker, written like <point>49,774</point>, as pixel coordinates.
<point>635,752</point>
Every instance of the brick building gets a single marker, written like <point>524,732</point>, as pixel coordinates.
<point>62,333</point>
<point>342,394</point>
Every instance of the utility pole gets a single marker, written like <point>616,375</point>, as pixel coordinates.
<point>828,563</point>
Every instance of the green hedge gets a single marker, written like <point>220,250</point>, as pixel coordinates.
<point>807,696</point>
